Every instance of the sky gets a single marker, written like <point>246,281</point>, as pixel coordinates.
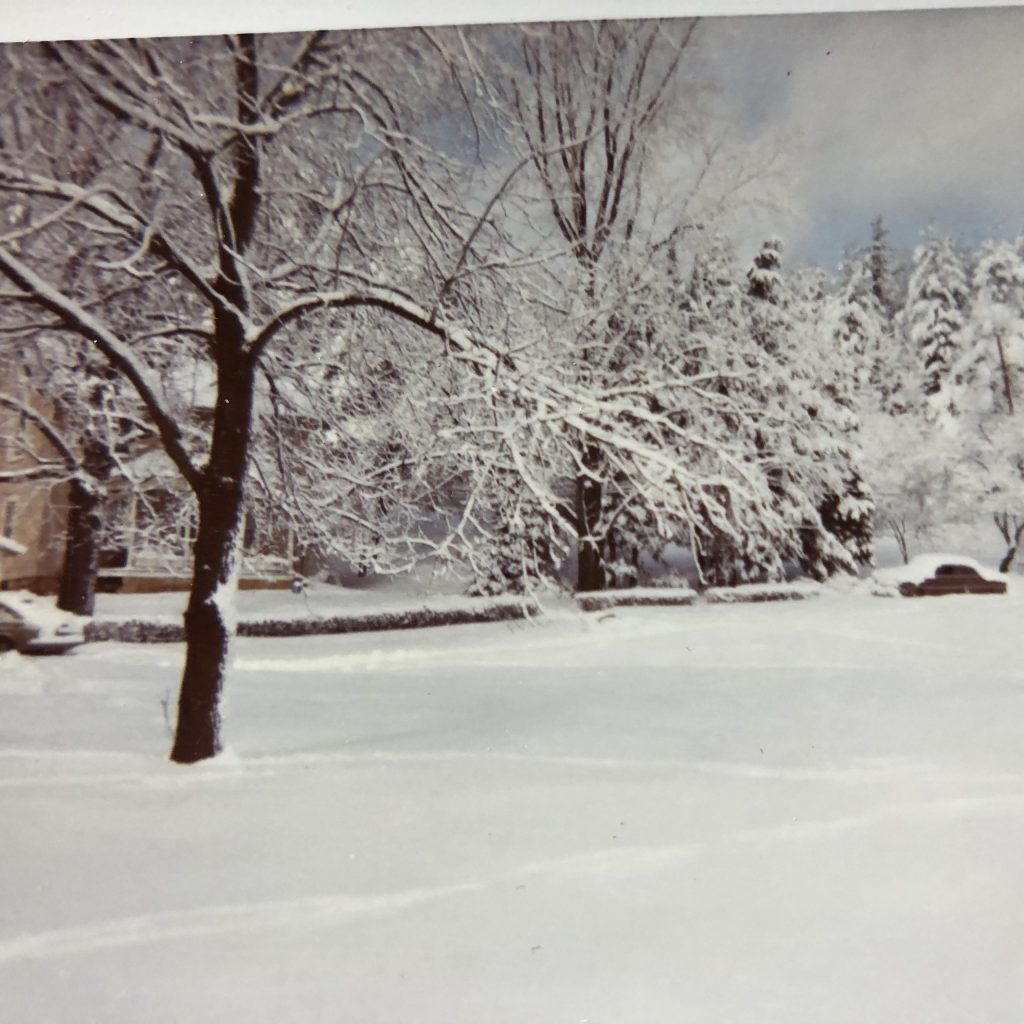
<point>913,115</point>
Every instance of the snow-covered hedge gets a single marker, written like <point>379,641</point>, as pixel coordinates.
<point>448,613</point>
<point>135,631</point>
<point>603,599</point>
<point>745,592</point>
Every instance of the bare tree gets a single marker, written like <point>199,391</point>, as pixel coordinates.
<point>587,107</point>
<point>77,423</point>
<point>283,177</point>
<point>304,214</point>
<point>79,392</point>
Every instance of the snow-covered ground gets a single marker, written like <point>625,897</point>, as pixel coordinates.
<point>317,599</point>
<point>803,813</point>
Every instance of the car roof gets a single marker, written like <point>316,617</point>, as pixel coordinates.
<point>923,567</point>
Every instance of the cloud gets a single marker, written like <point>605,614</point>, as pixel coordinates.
<point>917,115</point>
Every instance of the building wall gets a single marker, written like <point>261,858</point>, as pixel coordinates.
<point>146,555</point>
<point>38,524</point>
<point>31,512</point>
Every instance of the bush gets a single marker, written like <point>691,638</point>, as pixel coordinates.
<point>746,592</point>
<point>157,631</point>
<point>603,599</point>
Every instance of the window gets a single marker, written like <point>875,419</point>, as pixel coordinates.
<point>955,570</point>
<point>189,528</point>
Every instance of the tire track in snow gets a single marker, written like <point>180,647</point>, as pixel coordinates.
<point>305,912</point>
<point>611,864</point>
<point>938,810</point>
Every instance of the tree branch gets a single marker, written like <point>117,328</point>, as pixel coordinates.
<point>116,352</point>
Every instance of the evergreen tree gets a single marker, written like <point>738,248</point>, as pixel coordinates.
<point>935,317</point>
<point>767,293</point>
<point>717,331</point>
<point>841,334</point>
<point>764,278</point>
<point>882,268</point>
<point>517,555</point>
<point>859,331</point>
<point>804,442</point>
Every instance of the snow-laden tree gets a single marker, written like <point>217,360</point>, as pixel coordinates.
<point>860,333</point>
<point>993,477</point>
<point>991,375</point>
<point>586,105</point>
<point>71,384</point>
<point>847,511</point>
<point>809,435</point>
<point>916,477</point>
<point>678,418</point>
<point>991,367</point>
<point>894,373</point>
<point>884,272</point>
<point>716,336</point>
<point>624,164</point>
<point>305,198</point>
<point>958,453</point>
<point>935,318</point>
<point>284,176</point>
<point>84,424</point>
<point>355,447</point>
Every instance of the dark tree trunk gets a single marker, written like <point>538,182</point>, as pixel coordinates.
<point>77,589</point>
<point>590,567</point>
<point>220,494</point>
<point>209,619</point>
<point>1007,382</point>
<point>590,573</point>
<point>1012,530</point>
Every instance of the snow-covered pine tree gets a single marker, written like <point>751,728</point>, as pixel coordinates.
<point>808,436</point>
<point>935,318</point>
<point>765,287</point>
<point>762,556</point>
<point>717,328</point>
<point>842,532</point>
<point>860,328</point>
<point>788,433</point>
<point>883,268</point>
<point>893,373</point>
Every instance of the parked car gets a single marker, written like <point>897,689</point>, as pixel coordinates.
<point>935,575</point>
<point>33,625</point>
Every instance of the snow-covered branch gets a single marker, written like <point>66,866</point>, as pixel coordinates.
<point>79,320</point>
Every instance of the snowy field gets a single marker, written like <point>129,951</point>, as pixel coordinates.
<point>802,813</point>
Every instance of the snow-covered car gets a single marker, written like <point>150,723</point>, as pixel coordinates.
<point>935,575</point>
<point>34,626</point>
